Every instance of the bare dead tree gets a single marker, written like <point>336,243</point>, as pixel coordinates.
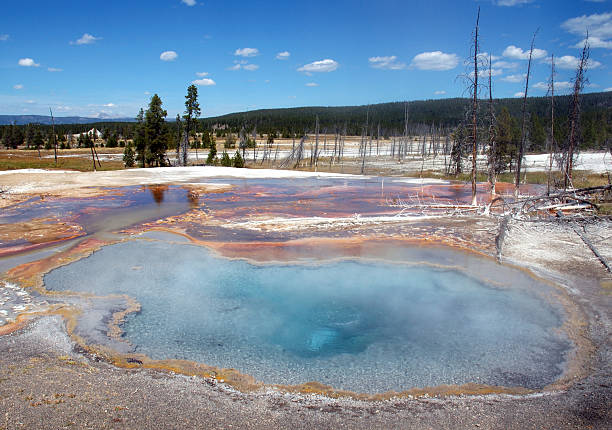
<point>316,149</point>
<point>552,121</point>
<point>579,82</point>
<point>521,149</point>
<point>475,108</point>
<point>492,159</point>
<point>364,142</point>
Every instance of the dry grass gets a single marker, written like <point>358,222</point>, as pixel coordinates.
<point>11,160</point>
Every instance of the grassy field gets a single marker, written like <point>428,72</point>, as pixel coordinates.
<point>11,160</point>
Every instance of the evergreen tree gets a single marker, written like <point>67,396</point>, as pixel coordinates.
<point>38,141</point>
<point>226,161</point>
<point>156,132</point>
<point>140,139</point>
<point>7,137</point>
<point>50,141</point>
<point>192,112</point>
<point>508,135</point>
<point>29,135</point>
<point>206,139</point>
<point>238,160</point>
<point>112,141</point>
<point>537,134</point>
<point>212,154</point>
<point>128,156</point>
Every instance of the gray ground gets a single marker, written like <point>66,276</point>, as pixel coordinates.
<point>45,382</point>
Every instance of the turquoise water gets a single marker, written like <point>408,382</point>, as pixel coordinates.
<point>356,325</point>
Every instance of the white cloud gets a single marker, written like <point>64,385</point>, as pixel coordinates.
<point>4,37</point>
<point>387,63</point>
<point>244,65</point>
<point>485,56</point>
<point>30,102</point>
<point>54,69</point>
<point>18,86</point>
<point>283,55</point>
<point>504,65</point>
<point>599,25</point>
<point>515,79</point>
<point>512,2</point>
<point>518,54</point>
<point>27,62</point>
<point>189,2</point>
<point>324,66</point>
<point>312,84</point>
<point>436,60</point>
<point>561,85</point>
<point>204,82</point>
<point>168,56</point>
<point>440,92</point>
<point>519,94</point>
<point>202,74</point>
<point>595,42</point>
<point>570,62</point>
<point>109,105</point>
<point>608,89</point>
<point>246,52</point>
<point>85,39</point>
<point>484,73</point>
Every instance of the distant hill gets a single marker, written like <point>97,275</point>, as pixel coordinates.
<point>390,116</point>
<point>46,120</point>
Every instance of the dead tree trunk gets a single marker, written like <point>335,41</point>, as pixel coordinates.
<point>521,148</point>
<point>552,121</point>
<point>474,111</point>
<point>575,111</point>
<point>316,150</point>
<point>492,136</point>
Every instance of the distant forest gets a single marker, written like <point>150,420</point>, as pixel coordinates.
<point>445,114</point>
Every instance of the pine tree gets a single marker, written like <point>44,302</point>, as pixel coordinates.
<point>192,112</point>
<point>226,161</point>
<point>128,156</point>
<point>212,154</point>
<point>238,160</point>
<point>140,140</point>
<point>37,141</point>
<point>156,132</point>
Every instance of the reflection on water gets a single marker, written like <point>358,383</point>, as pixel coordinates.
<point>157,191</point>
<point>356,325</point>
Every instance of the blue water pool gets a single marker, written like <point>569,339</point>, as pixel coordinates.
<point>362,325</point>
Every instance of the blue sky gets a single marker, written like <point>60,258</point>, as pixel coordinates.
<point>92,58</point>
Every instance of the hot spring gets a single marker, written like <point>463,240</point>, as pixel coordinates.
<point>365,325</point>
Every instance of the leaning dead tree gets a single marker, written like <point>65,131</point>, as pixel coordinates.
<point>521,148</point>
<point>574,119</point>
